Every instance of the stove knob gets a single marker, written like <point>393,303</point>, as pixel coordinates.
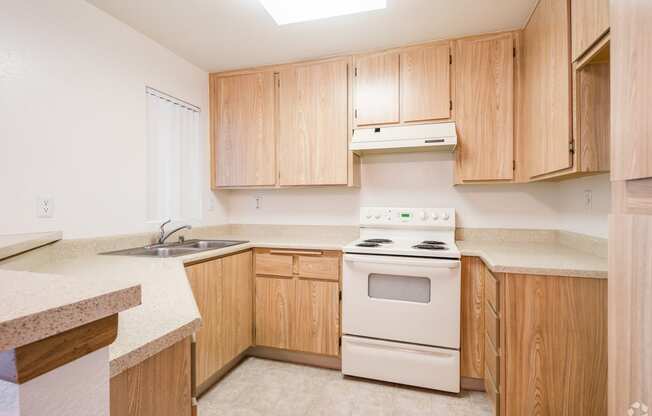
<point>435,216</point>
<point>423,216</point>
<point>377,216</point>
<point>368,215</point>
<point>445,216</point>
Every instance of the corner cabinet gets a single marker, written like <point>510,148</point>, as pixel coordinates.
<point>314,123</point>
<point>484,111</point>
<point>590,20</point>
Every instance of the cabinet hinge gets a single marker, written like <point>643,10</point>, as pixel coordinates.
<point>513,165</point>
<point>340,295</point>
<point>355,71</point>
<point>571,146</point>
<point>451,105</point>
<point>340,341</point>
<point>279,82</point>
<point>514,53</point>
<point>355,113</point>
<point>450,59</point>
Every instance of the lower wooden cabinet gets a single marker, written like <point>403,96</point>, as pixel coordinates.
<point>159,386</point>
<point>298,312</point>
<point>223,290</point>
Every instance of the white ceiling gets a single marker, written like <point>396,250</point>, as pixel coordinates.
<point>217,35</point>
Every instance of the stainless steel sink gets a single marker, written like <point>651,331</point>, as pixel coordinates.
<point>176,249</point>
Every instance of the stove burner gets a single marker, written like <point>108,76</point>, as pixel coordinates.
<point>364,244</point>
<point>429,247</point>
<point>378,241</point>
<point>433,242</point>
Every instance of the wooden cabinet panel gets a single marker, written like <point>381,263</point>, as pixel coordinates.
<point>630,308</point>
<point>592,117</point>
<point>274,311</point>
<point>314,130</point>
<point>237,306</point>
<point>159,386</point>
<point>206,283</point>
<point>492,325</point>
<point>472,318</point>
<point>273,264</point>
<point>484,110</point>
<point>546,106</point>
<point>320,267</point>
<point>590,20</point>
<point>492,358</point>
<point>377,89</point>
<point>492,393</point>
<point>492,290</point>
<point>316,325</point>
<point>425,83</point>
<point>631,84</point>
<point>244,130</point>
<point>556,346</point>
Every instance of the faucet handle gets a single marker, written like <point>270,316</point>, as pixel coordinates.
<point>169,220</point>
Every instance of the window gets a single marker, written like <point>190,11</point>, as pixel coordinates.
<point>173,162</point>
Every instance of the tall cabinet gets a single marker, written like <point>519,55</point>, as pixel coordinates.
<point>630,225</point>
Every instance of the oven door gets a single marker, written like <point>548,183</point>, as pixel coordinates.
<point>404,299</point>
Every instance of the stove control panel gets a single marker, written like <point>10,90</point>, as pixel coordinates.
<point>407,217</point>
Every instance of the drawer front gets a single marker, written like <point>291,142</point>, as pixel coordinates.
<point>319,267</point>
<point>273,264</point>
<point>492,325</point>
<point>492,393</point>
<point>492,359</point>
<point>492,290</point>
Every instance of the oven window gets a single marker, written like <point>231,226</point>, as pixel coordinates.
<point>406,288</point>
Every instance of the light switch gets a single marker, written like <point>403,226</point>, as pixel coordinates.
<point>44,207</point>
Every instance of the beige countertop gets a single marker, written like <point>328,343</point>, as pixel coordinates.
<point>34,306</point>
<point>537,258</point>
<point>12,244</point>
<point>168,312</point>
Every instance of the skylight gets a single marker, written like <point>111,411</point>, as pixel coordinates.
<point>292,11</point>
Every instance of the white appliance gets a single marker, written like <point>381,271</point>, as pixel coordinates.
<point>440,136</point>
<point>401,298</point>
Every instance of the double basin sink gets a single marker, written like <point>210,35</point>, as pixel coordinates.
<point>176,249</point>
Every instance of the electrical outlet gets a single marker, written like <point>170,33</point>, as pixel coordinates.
<point>44,207</point>
<point>259,202</point>
<point>588,199</point>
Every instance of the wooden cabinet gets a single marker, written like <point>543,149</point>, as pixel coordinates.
<point>425,83</point>
<point>223,290</point>
<point>300,312</point>
<point>590,20</point>
<point>313,126</point>
<point>484,110</point>
<point>472,318</point>
<point>243,123</point>
<point>377,89</point>
<point>159,386</point>
<point>546,106</point>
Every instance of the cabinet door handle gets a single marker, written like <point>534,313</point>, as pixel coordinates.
<point>296,253</point>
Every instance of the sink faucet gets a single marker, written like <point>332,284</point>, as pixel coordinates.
<point>164,236</point>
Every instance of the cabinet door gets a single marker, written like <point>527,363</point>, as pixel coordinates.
<point>316,326</point>
<point>546,99</point>
<point>313,141</point>
<point>472,334</point>
<point>631,86</point>
<point>485,108</point>
<point>206,283</point>
<point>244,141</point>
<point>274,311</point>
<point>376,89</point>
<point>425,83</point>
<point>590,20</point>
<point>237,306</point>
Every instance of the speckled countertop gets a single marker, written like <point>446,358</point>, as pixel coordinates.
<point>536,258</point>
<point>12,244</point>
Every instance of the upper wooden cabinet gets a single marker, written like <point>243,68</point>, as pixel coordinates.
<point>377,89</point>
<point>632,89</point>
<point>484,112</point>
<point>407,85</point>
<point>243,123</point>
<point>425,83</point>
<point>590,20</point>
<point>546,106</point>
<point>314,123</point>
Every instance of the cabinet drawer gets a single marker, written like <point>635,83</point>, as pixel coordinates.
<point>319,267</point>
<point>492,290</point>
<point>493,361</point>
<point>492,324</point>
<point>492,393</point>
<point>273,264</point>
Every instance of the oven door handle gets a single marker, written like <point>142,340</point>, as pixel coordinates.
<point>403,261</point>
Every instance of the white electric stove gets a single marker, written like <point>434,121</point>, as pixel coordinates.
<point>401,298</point>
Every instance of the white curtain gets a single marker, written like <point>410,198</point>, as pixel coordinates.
<point>173,162</point>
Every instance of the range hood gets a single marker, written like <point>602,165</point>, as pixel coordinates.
<point>418,137</point>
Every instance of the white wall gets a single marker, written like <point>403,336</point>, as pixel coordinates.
<point>425,180</point>
<point>72,117</point>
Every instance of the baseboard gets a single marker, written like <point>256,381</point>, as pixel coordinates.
<point>212,380</point>
<point>315,360</point>
<point>468,383</point>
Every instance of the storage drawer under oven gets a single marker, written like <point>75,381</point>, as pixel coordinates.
<point>415,365</point>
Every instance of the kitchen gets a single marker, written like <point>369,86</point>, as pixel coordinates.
<point>497,160</point>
